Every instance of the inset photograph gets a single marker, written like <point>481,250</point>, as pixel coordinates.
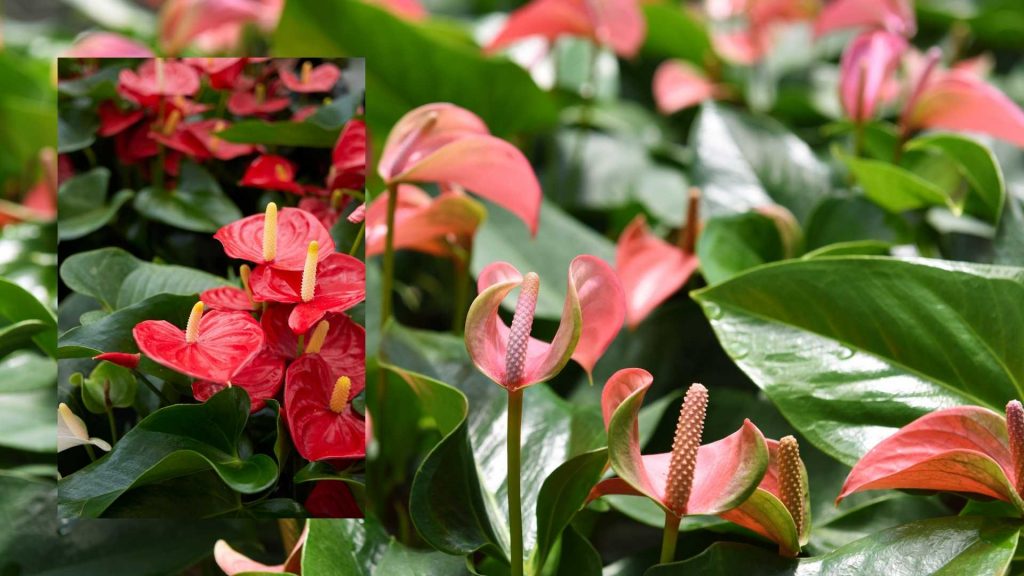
<point>211,288</point>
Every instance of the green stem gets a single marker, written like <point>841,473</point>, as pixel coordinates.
<point>90,452</point>
<point>668,540</point>
<point>156,390</point>
<point>359,239</point>
<point>515,508</point>
<point>858,139</point>
<point>389,257</point>
<point>461,296</point>
<point>113,425</point>
<point>158,169</point>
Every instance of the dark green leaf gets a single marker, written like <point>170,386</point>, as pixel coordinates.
<point>113,333</point>
<point>171,442</point>
<point>824,336</point>
<point>280,134</point>
<point>28,402</point>
<point>426,66</point>
<point>83,206</point>
<point>673,32</point>
<point>197,204</point>
<point>562,495</point>
<point>17,305</point>
<point>978,166</point>
<point>729,245</point>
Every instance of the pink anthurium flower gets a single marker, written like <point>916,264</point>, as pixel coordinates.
<point>348,159</point>
<point>212,346</point>
<point>319,408</point>
<point>311,78</point>
<point>233,562</point>
<point>651,269</point>
<point>261,377</point>
<point>780,508</point>
<point>958,99</point>
<point>744,31</point>
<point>213,25</point>
<point>423,223</point>
<point>866,70</point>
<point>966,449</point>
<point>107,45</point>
<point>221,72</point>
<point>592,316</point>
<point>691,479</point>
<point>277,238</point>
<point>618,24</point>
<point>679,85</point>
<point>896,16</point>
<point>333,285</point>
<point>205,132</point>
<point>445,144</point>
<point>271,172</point>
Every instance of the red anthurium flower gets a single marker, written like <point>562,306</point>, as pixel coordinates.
<point>691,479</point>
<point>339,341</point>
<point>866,71</point>
<point>615,23</point>
<point>967,449</point>
<point>327,212</point>
<point>423,223</point>
<point>311,78</point>
<point>443,143</point>
<point>205,132</point>
<point>749,43</point>
<point>319,409</point>
<point>228,298</point>
<point>123,359</point>
<point>896,16</point>
<point>233,562</point>
<point>679,85</point>
<point>156,79</point>
<point>222,72</point>
<point>258,102</point>
<point>958,99</point>
<point>271,173</point>
<point>107,45</point>
<point>334,285</point>
<point>279,239</point>
<point>332,499</point>
<point>261,377</point>
<point>651,269</point>
<point>114,120</point>
<point>592,316</point>
<point>348,159</point>
<point>780,508</point>
<point>212,346</point>
<point>173,134</point>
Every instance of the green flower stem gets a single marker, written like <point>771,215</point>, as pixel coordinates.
<point>389,257</point>
<point>515,507</point>
<point>113,425</point>
<point>461,296</point>
<point>153,387</point>
<point>359,239</point>
<point>668,540</point>
<point>90,452</point>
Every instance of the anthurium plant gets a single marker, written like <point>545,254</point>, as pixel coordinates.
<point>213,362</point>
<point>652,288</point>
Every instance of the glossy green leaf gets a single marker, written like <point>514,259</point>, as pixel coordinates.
<point>957,545</point>
<point>673,32</point>
<point>76,128</point>
<point>729,245</point>
<point>897,189</point>
<point>853,248</point>
<point>82,202</point>
<point>280,134</point>
<point>401,560</point>
<point>562,495</point>
<point>98,273</point>
<point>34,542</point>
<point>426,66</point>
<point>149,280</point>
<point>197,204</point>
<point>559,239</point>
<point>332,547</point>
<point>850,219</point>
<point>171,442</point>
<point>578,557</point>
<point>17,305</point>
<point>977,164</point>
<point>113,333</point>
<point>17,335</point>
<point>1009,240</point>
<point>823,336</point>
<point>28,402</point>
<point>744,161</point>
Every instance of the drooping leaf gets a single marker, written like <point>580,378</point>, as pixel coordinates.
<point>171,442</point>
<point>822,336</point>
